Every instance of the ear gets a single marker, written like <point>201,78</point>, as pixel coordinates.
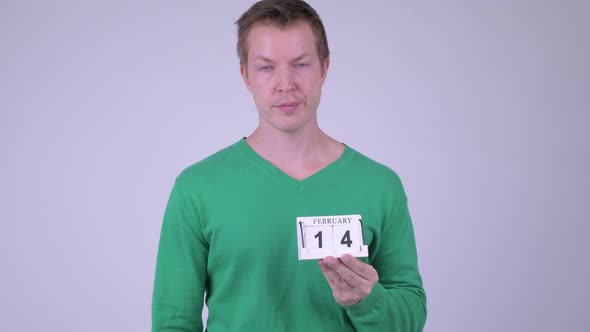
<point>326,66</point>
<point>244,73</point>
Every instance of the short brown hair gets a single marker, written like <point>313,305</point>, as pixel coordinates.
<point>281,13</point>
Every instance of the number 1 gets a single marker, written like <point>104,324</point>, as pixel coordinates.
<point>319,237</point>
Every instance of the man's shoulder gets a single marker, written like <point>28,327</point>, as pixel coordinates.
<point>366,167</point>
<point>213,165</point>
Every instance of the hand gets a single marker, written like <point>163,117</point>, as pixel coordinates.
<point>350,279</point>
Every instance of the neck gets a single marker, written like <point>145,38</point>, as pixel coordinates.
<point>300,149</point>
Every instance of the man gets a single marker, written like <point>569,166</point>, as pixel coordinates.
<point>229,229</point>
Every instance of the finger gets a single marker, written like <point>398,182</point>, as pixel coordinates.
<point>362,269</point>
<point>330,275</point>
<point>346,273</point>
<point>334,279</point>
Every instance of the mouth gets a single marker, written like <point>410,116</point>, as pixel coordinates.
<point>290,106</point>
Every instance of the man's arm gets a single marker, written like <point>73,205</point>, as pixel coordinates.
<point>179,285</point>
<point>397,302</point>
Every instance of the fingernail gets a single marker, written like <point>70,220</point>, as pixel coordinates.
<point>329,261</point>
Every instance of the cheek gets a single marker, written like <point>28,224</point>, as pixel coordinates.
<point>310,81</point>
<point>311,89</point>
<point>261,95</point>
<point>260,84</point>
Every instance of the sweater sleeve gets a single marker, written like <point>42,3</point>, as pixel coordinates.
<point>181,265</point>
<point>398,301</point>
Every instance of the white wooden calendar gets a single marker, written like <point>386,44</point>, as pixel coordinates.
<point>321,236</point>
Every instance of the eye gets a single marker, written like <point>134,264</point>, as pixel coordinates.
<point>265,68</point>
<point>301,65</point>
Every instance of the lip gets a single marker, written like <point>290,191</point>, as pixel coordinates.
<point>289,106</point>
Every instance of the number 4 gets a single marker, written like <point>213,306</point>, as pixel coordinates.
<point>345,239</point>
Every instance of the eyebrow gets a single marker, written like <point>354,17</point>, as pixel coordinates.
<point>263,58</point>
<point>304,55</point>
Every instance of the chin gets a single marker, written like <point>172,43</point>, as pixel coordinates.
<point>288,124</point>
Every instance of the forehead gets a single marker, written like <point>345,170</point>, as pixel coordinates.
<point>271,41</point>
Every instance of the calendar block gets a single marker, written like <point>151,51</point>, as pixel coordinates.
<point>321,236</point>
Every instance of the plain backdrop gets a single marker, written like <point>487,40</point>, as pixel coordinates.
<point>480,106</point>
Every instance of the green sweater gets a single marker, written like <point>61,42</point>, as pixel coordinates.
<point>229,231</point>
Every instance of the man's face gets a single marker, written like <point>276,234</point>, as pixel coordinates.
<point>283,72</point>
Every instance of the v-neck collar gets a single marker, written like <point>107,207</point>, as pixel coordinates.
<point>244,147</point>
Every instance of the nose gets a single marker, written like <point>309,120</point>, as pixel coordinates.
<point>285,80</point>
